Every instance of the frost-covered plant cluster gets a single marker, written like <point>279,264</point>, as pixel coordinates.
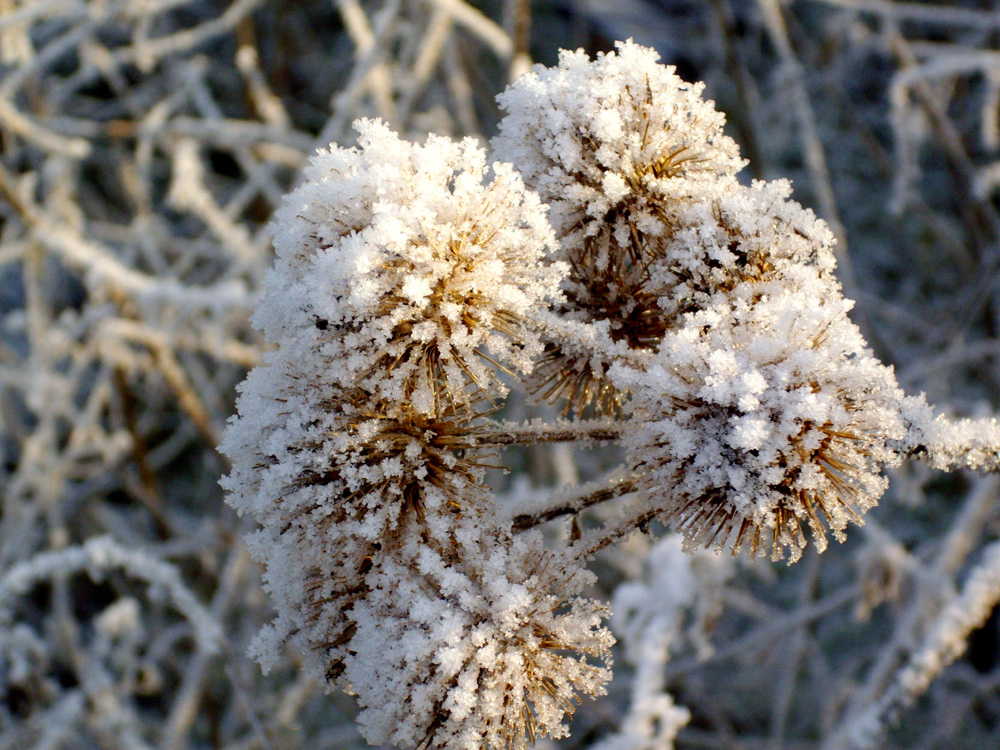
<point>668,304</point>
<point>668,356</point>
<point>358,449</point>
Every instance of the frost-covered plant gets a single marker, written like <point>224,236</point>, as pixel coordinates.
<point>613,146</point>
<point>698,316</point>
<point>640,180</point>
<point>358,445</point>
<point>409,268</point>
<point>146,146</point>
<point>486,649</point>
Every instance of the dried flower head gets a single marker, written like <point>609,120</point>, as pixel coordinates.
<point>334,476</point>
<point>616,146</point>
<point>610,143</point>
<point>487,651</point>
<point>732,235</point>
<point>397,266</point>
<point>762,414</point>
<point>411,268</point>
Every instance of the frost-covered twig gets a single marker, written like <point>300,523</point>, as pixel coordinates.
<point>979,505</point>
<point>571,500</point>
<point>949,444</point>
<point>95,558</point>
<point>945,641</point>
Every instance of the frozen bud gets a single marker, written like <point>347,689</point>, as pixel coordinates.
<point>404,264</point>
<point>762,414</point>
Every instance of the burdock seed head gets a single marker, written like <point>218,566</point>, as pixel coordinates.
<point>614,145</point>
<point>409,270</point>
<point>761,416</point>
<point>484,652</point>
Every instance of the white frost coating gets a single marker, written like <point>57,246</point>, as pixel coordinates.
<point>399,263</point>
<point>948,444</point>
<point>761,414</point>
<point>729,234</point>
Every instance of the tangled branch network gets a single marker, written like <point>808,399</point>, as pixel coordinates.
<point>609,262</point>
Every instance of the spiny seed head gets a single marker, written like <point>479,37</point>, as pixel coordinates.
<point>335,477</point>
<point>403,273</point>
<point>731,236</point>
<point>411,267</point>
<point>613,145</point>
<point>605,141</point>
<point>499,649</point>
<point>762,415</point>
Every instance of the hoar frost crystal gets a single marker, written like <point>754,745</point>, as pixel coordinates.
<point>613,263</point>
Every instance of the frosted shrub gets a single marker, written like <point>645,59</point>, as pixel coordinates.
<point>629,276</point>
